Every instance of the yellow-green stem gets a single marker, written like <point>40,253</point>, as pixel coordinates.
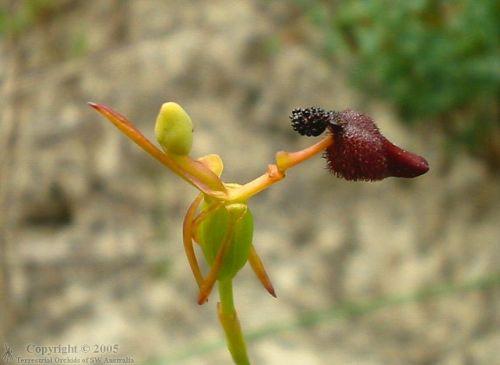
<point>229,320</point>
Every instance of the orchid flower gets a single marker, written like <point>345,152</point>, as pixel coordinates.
<point>219,219</point>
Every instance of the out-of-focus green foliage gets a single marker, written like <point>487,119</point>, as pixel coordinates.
<point>435,61</point>
<point>18,16</point>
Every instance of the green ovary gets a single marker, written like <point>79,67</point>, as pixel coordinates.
<point>212,233</point>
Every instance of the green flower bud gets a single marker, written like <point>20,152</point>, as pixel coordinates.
<point>213,230</point>
<point>174,129</point>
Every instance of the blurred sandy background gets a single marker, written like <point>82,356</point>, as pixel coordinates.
<point>394,272</point>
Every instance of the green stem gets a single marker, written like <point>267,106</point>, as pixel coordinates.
<point>230,323</point>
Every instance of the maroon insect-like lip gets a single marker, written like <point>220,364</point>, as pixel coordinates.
<point>361,152</point>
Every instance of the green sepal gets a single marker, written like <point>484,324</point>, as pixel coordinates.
<point>213,230</point>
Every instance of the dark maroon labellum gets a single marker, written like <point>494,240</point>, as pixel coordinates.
<point>402,163</point>
<point>361,152</point>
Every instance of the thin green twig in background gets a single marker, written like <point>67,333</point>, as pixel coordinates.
<point>341,311</point>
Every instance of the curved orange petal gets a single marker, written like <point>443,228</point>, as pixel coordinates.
<point>187,234</point>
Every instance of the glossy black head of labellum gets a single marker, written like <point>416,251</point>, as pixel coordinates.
<point>311,121</point>
<point>361,152</point>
